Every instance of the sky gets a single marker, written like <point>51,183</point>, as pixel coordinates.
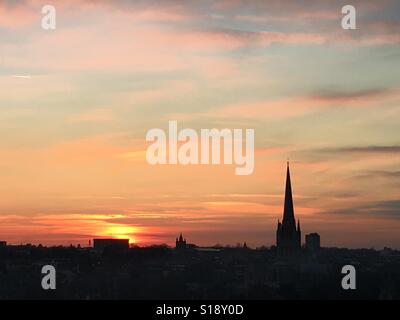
<point>76,103</point>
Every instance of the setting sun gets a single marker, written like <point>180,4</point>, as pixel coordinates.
<point>122,232</point>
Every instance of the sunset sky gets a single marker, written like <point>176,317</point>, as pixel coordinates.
<point>76,103</point>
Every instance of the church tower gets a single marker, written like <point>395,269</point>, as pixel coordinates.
<point>180,242</point>
<point>288,236</point>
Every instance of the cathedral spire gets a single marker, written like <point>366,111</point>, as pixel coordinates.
<point>288,237</point>
<point>288,211</point>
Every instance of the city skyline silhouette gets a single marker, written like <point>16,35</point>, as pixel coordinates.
<point>289,239</point>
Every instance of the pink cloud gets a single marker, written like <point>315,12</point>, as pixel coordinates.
<point>295,106</point>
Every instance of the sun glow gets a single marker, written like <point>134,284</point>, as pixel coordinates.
<point>122,232</point>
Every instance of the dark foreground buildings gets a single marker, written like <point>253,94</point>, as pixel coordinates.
<point>160,272</point>
<point>110,244</point>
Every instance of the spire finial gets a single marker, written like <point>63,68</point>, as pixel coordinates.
<point>288,211</point>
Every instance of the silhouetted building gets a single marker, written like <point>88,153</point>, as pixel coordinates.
<point>101,244</point>
<point>313,241</point>
<point>288,237</point>
<point>180,242</point>
<point>3,243</point>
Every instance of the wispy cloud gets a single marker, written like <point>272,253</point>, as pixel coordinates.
<point>382,209</point>
<point>363,149</point>
<point>299,105</point>
<point>332,95</point>
<point>17,76</point>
